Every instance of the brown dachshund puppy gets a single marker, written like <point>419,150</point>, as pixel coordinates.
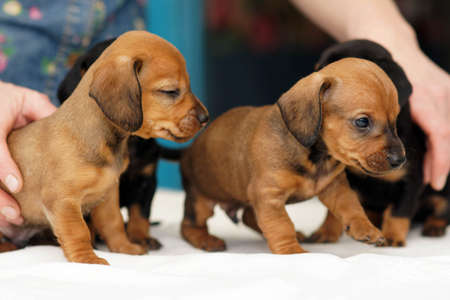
<point>263,158</point>
<point>72,160</point>
<point>394,200</point>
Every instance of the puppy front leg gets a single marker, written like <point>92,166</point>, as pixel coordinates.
<point>395,229</point>
<point>397,217</point>
<point>108,222</point>
<point>343,202</point>
<point>275,223</point>
<point>138,228</point>
<point>72,232</point>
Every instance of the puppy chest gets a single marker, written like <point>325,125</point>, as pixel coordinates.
<point>99,187</point>
<point>310,184</point>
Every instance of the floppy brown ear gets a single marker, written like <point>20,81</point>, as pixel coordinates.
<point>301,108</point>
<point>117,91</point>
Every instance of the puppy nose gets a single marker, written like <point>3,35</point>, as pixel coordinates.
<point>202,116</point>
<point>396,159</point>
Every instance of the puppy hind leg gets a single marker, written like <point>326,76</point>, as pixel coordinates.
<point>197,211</point>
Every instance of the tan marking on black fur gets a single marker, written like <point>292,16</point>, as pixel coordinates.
<point>395,229</point>
<point>138,228</point>
<point>149,169</point>
<point>439,205</point>
<point>434,226</point>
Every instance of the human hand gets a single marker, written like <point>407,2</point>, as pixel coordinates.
<point>430,109</point>
<point>18,107</point>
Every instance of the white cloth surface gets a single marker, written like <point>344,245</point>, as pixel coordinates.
<point>247,270</point>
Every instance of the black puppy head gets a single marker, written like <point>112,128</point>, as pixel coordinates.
<point>80,67</point>
<point>374,52</point>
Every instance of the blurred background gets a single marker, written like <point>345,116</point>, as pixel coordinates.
<point>248,52</point>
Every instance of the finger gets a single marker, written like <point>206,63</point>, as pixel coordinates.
<point>9,172</point>
<point>440,167</point>
<point>36,105</point>
<point>9,210</point>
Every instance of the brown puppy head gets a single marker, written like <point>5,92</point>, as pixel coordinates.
<point>352,105</point>
<point>141,84</point>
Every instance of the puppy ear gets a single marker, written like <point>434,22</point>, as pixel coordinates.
<point>117,91</point>
<point>301,108</point>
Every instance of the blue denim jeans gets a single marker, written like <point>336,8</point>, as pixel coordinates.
<point>40,39</point>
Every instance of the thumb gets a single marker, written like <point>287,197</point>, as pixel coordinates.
<point>9,172</point>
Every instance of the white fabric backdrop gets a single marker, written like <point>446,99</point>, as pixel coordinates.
<point>247,270</point>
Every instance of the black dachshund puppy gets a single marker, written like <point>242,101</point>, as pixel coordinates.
<point>138,183</point>
<point>393,200</point>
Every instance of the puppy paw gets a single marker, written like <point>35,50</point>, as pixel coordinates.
<point>91,259</point>
<point>200,238</point>
<point>362,230</point>
<point>148,242</point>
<point>393,238</point>
<point>153,244</point>
<point>395,229</point>
<point>7,246</point>
<point>129,248</point>
<point>212,244</point>
<point>392,242</point>
<point>434,227</point>
<point>288,249</point>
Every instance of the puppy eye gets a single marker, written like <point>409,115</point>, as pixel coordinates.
<point>171,93</point>
<point>362,123</point>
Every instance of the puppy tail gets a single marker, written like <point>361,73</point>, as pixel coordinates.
<point>170,154</point>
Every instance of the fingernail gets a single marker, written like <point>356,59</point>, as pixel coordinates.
<point>11,183</point>
<point>441,182</point>
<point>9,213</point>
